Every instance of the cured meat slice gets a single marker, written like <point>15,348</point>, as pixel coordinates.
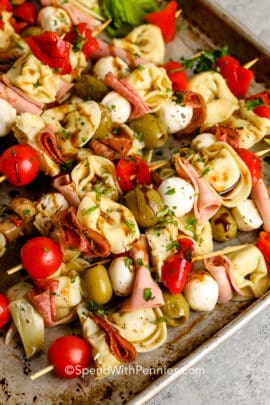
<point>65,186</point>
<point>261,198</point>
<point>220,267</point>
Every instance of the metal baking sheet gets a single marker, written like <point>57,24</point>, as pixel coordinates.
<point>202,26</point>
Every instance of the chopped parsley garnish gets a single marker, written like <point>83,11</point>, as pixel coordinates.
<point>140,261</point>
<point>159,320</point>
<point>139,137</point>
<point>250,104</point>
<point>162,213</point>
<point>204,172</point>
<point>191,225</point>
<point>128,261</point>
<point>74,278</point>
<point>206,60</point>
<point>170,191</point>
<point>90,210</point>
<point>172,245</point>
<point>147,294</point>
<point>67,166</point>
<point>26,212</point>
<point>65,134</point>
<point>96,308</point>
<point>131,225</point>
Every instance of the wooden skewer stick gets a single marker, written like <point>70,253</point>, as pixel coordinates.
<point>100,262</point>
<point>15,269</point>
<point>262,152</point>
<point>224,251</point>
<point>249,64</point>
<point>197,55</point>
<point>2,179</point>
<point>42,372</point>
<point>101,28</point>
<point>158,165</point>
<point>178,12</point>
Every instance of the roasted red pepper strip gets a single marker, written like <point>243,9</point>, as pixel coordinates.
<point>177,75</point>
<point>82,40</point>
<point>51,50</point>
<point>5,5</point>
<point>260,104</point>
<point>165,20</point>
<point>126,168</point>
<point>253,163</point>
<point>237,77</point>
<point>26,12</point>
<point>263,243</point>
<point>176,267</point>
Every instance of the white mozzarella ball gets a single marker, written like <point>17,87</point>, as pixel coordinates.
<point>247,216</point>
<point>174,116</point>
<point>178,195</point>
<point>203,140</point>
<point>201,291</point>
<point>54,19</point>
<point>122,273</point>
<point>7,117</point>
<point>118,106</point>
<point>111,64</point>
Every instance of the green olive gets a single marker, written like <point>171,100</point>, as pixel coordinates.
<point>176,309</point>
<point>105,126</point>
<point>223,225</point>
<point>145,204</point>
<point>154,134</point>
<point>30,31</point>
<point>97,285</point>
<point>89,87</point>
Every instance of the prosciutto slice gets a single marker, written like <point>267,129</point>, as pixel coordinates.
<point>17,101</point>
<point>21,93</point>
<point>66,187</point>
<point>123,87</point>
<point>112,147</point>
<point>123,350</point>
<point>43,299</point>
<point>206,200</point>
<point>195,101</point>
<point>143,280</point>
<point>220,268</point>
<point>77,236</point>
<point>63,90</point>
<point>225,134</point>
<point>261,198</point>
<point>49,145</point>
<point>105,49</point>
<point>76,15</point>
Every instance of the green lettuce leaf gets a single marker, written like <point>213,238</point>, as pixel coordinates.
<point>126,14</point>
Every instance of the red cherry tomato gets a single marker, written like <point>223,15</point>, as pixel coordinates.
<point>26,12</point>
<point>176,268</point>
<point>69,355</point>
<point>263,243</point>
<point>253,163</point>
<point>177,75</point>
<point>4,311</point>
<point>41,257</point>
<point>20,164</point>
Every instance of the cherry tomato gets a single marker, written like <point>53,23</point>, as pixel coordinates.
<point>41,257</point>
<point>176,267</point>
<point>26,12</point>
<point>4,311</point>
<point>253,163</point>
<point>69,355</point>
<point>20,164</point>
<point>263,243</point>
<point>177,75</point>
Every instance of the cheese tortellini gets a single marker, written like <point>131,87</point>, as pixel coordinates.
<point>145,41</point>
<point>95,173</point>
<point>152,84</point>
<point>74,124</point>
<point>249,274</point>
<point>220,101</point>
<point>54,19</point>
<point>34,78</point>
<point>220,165</point>
<point>112,220</point>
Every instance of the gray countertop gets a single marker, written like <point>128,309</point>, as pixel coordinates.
<point>237,372</point>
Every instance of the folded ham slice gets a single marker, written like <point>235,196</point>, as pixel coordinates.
<point>66,187</point>
<point>105,49</point>
<point>123,350</point>
<point>21,93</point>
<point>43,299</point>
<point>220,268</point>
<point>206,200</point>
<point>63,90</point>
<point>76,15</point>
<point>143,280</point>
<point>261,198</point>
<point>77,236</point>
<point>123,87</point>
<point>17,101</point>
<point>49,145</point>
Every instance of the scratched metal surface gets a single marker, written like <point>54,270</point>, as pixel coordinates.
<point>203,26</point>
